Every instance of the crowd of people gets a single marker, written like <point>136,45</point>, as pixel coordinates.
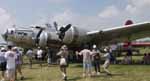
<point>91,58</point>
<point>146,58</point>
<point>11,61</point>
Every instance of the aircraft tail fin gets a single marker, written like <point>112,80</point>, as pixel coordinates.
<point>128,22</point>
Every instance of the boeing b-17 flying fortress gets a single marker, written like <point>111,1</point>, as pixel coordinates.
<point>82,41</point>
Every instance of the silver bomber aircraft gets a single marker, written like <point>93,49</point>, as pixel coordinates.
<point>74,37</point>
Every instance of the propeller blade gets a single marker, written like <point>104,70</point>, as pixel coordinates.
<point>64,29</point>
<point>56,26</point>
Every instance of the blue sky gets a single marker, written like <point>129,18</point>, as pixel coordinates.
<point>27,12</point>
<point>91,14</point>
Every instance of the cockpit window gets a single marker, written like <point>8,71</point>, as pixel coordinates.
<point>19,33</point>
<point>10,31</point>
<point>25,34</point>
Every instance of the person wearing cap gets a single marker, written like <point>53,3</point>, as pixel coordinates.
<point>107,60</point>
<point>63,53</point>
<point>96,59</point>
<point>3,63</point>
<point>18,62</point>
<point>11,57</point>
<point>87,61</point>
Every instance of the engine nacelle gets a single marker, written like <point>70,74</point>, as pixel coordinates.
<point>75,36</point>
<point>43,39</point>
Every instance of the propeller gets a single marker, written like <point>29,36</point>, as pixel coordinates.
<point>64,29</point>
<point>48,25</point>
<point>61,32</point>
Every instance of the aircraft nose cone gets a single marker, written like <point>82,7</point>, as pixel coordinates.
<point>4,36</point>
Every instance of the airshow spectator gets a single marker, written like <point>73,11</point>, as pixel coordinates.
<point>3,63</point>
<point>107,61</point>
<point>11,57</point>
<point>49,56</point>
<point>40,56</point>
<point>125,60</point>
<point>129,53</point>
<point>148,58</point>
<point>145,58</point>
<point>96,59</point>
<point>19,62</point>
<point>63,53</point>
<point>87,61</point>
<point>29,54</point>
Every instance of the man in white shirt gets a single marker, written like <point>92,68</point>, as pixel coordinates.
<point>87,59</point>
<point>30,55</point>
<point>11,63</point>
<point>39,55</point>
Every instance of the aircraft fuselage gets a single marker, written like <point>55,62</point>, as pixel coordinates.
<point>45,37</point>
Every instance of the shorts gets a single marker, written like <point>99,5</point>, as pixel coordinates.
<point>96,62</point>
<point>10,73</point>
<point>3,66</point>
<point>87,65</point>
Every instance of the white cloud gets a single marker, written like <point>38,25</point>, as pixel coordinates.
<point>110,16</point>
<point>110,11</point>
<point>86,22</point>
<point>63,18</point>
<point>42,19</point>
<point>5,20</point>
<point>138,7</point>
<point>136,10</point>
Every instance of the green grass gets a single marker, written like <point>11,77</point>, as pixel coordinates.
<point>120,73</point>
<point>74,72</point>
<point>144,50</point>
<point>133,57</point>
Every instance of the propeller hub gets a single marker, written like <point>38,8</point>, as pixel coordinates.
<point>61,32</point>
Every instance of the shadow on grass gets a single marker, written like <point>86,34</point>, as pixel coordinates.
<point>74,79</point>
<point>105,75</point>
<point>118,74</point>
<point>26,78</point>
<point>77,66</point>
<point>97,76</point>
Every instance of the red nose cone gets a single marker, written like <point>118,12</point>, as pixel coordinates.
<point>128,22</point>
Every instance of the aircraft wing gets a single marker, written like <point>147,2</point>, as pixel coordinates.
<point>122,33</point>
